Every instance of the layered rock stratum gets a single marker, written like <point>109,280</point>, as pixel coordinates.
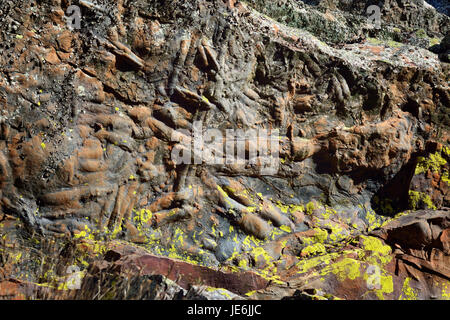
<point>93,205</point>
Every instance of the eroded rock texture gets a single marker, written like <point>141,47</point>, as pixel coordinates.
<point>356,209</point>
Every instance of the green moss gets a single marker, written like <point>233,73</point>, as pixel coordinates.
<point>288,13</point>
<point>421,33</point>
<point>375,245</point>
<point>374,41</point>
<point>394,44</point>
<point>434,41</point>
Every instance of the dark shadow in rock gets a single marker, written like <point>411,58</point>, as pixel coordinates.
<point>325,163</point>
<point>393,197</point>
<point>412,107</point>
<point>312,2</point>
<point>124,65</point>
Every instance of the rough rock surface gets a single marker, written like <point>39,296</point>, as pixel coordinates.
<point>356,210</point>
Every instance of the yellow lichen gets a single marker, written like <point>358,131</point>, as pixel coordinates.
<point>313,249</point>
<point>417,198</point>
<point>250,293</point>
<point>434,163</point>
<point>387,286</point>
<point>375,245</point>
<point>408,293</point>
<point>286,228</point>
<point>310,207</point>
<point>260,252</point>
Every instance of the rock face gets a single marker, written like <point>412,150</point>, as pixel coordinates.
<point>92,115</point>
